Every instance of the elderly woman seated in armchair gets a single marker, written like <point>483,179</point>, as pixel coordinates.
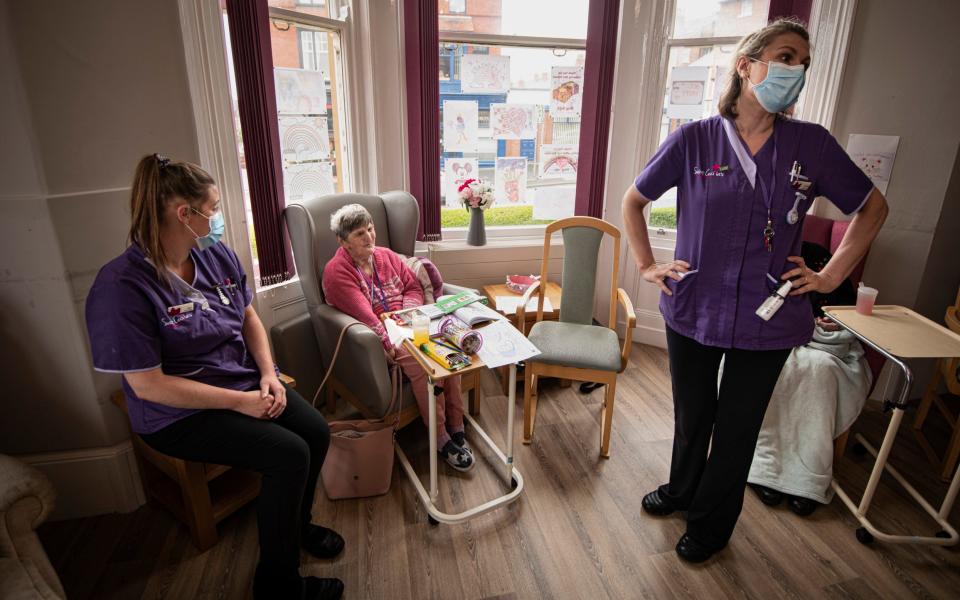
<point>363,281</point>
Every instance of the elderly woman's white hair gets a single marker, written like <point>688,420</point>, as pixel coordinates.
<point>349,218</point>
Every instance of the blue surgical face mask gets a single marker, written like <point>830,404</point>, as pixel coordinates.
<point>216,230</point>
<point>781,87</point>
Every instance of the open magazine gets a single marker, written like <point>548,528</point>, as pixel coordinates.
<point>468,307</point>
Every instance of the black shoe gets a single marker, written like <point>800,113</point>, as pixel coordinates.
<point>801,506</point>
<point>321,542</point>
<point>587,387</point>
<point>692,551</point>
<point>655,504</point>
<point>273,587</point>
<point>315,588</point>
<point>768,496</point>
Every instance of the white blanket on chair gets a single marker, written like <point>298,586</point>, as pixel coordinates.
<point>821,390</point>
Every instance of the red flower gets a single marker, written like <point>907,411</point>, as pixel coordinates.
<point>465,185</point>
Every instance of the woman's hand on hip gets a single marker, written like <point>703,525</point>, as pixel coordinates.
<point>806,279</point>
<point>253,404</point>
<point>270,387</point>
<point>656,273</point>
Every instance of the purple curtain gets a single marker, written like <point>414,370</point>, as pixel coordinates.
<point>790,8</point>
<point>421,47</point>
<point>253,63</point>
<point>602,28</point>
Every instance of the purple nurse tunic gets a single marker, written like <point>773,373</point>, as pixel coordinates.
<point>192,330</point>
<point>722,198</point>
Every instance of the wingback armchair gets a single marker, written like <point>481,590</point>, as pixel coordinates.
<point>361,375</point>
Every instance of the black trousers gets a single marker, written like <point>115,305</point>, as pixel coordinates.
<point>710,487</point>
<point>288,451</point>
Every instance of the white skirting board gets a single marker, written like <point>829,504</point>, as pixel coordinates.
<point>91,481</point>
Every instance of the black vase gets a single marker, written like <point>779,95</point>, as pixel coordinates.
<point>477,234</point>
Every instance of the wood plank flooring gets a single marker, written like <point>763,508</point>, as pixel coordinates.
<point>576,532</point>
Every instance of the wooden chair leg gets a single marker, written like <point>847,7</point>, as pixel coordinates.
<point>952,454</point>
<point>475,395</point>
<point>840,445</point>
<point>529,403</point>
<point>606,418</point>
<point>331,399</point>
<point>197,507</point>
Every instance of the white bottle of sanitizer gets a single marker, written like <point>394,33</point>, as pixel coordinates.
<point>772,304</point>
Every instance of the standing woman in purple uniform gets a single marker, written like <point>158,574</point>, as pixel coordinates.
<point>745,179</point>
<point>172,314</point>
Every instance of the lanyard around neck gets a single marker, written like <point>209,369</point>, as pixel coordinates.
<point>373,284</point>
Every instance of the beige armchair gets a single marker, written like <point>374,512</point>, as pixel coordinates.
<point>26,499</point>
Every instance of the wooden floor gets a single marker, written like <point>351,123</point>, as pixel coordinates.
<point>576,532</point>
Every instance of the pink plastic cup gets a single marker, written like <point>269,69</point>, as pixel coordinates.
<point>866,296</point>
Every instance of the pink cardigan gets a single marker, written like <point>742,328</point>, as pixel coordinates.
<point>346,289</point>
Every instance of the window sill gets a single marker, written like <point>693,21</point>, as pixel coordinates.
<point>495,233</point>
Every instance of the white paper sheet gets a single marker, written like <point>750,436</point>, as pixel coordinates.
<point>455,172</point>
<point>513,121</point>
<point>308,180</point>
<point>397,333</point>
<point>300,91</point>
<point>687,90</point>
<point>874,154</point>
<point>558,161</point>
<point>565,97</point>
<point>510,304</point>
<point>554,202</point>
<point>304,139</point>
<point>460,123</point>
<point>484,74</point>
<point>510,180</point>
<point>503,344</point>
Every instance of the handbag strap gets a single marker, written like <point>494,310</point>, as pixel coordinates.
<point>396,381</point>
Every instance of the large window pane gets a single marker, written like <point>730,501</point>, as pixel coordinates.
<point>511,117</point>
<point>310,105</point>
<point>536,18</point>
<point>716,18</point>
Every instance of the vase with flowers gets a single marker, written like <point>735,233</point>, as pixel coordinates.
<point>476,196</point>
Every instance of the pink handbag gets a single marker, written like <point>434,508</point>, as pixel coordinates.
<point>359,462</point>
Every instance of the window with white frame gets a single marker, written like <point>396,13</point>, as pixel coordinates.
<point>703,37</point>
<point>511,79</point>
<point>311,107</point>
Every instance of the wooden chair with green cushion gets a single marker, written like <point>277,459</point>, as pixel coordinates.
<point>573,348</point>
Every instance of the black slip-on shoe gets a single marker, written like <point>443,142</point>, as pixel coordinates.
<point>693,551</point>
<point>655,504</point>
<point>801,506</point>
<point>322,542</point>
<point>768,496</point>
<point>316,588</point>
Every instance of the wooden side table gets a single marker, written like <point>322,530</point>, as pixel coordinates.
<point>553,292</point>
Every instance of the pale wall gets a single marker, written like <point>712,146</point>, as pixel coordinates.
<point>94,87</point>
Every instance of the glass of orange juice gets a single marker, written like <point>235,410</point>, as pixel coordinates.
<point>421,328</point>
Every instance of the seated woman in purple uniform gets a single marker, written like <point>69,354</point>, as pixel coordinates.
<point>745,178</point>
<point>172,314</point>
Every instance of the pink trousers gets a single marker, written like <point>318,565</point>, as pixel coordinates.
<point>449,411</point>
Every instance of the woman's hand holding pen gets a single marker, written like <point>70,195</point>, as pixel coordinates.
<point>656,273</point>
<point>807,280</point>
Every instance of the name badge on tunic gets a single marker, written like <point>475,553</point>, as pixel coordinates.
<point>180,308</point>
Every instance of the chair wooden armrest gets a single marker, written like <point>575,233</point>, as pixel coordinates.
<point>631,323</point>
<point>522,309</point>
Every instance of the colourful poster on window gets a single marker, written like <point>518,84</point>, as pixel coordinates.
<point>308,180</point>
<point>304,139</point>
<point>510,180</point>
<point>300,91</point>
<point>484,74</point>
<point>460,123</point>
<point>558,161</point>
<point>567,92</point>
<point>455,172</point>
<point>512,121</point>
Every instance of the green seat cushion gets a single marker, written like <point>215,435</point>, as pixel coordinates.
<point>576,345</point>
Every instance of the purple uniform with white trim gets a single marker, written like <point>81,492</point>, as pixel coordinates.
<point>721,214</point>
<point>137,323</point>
